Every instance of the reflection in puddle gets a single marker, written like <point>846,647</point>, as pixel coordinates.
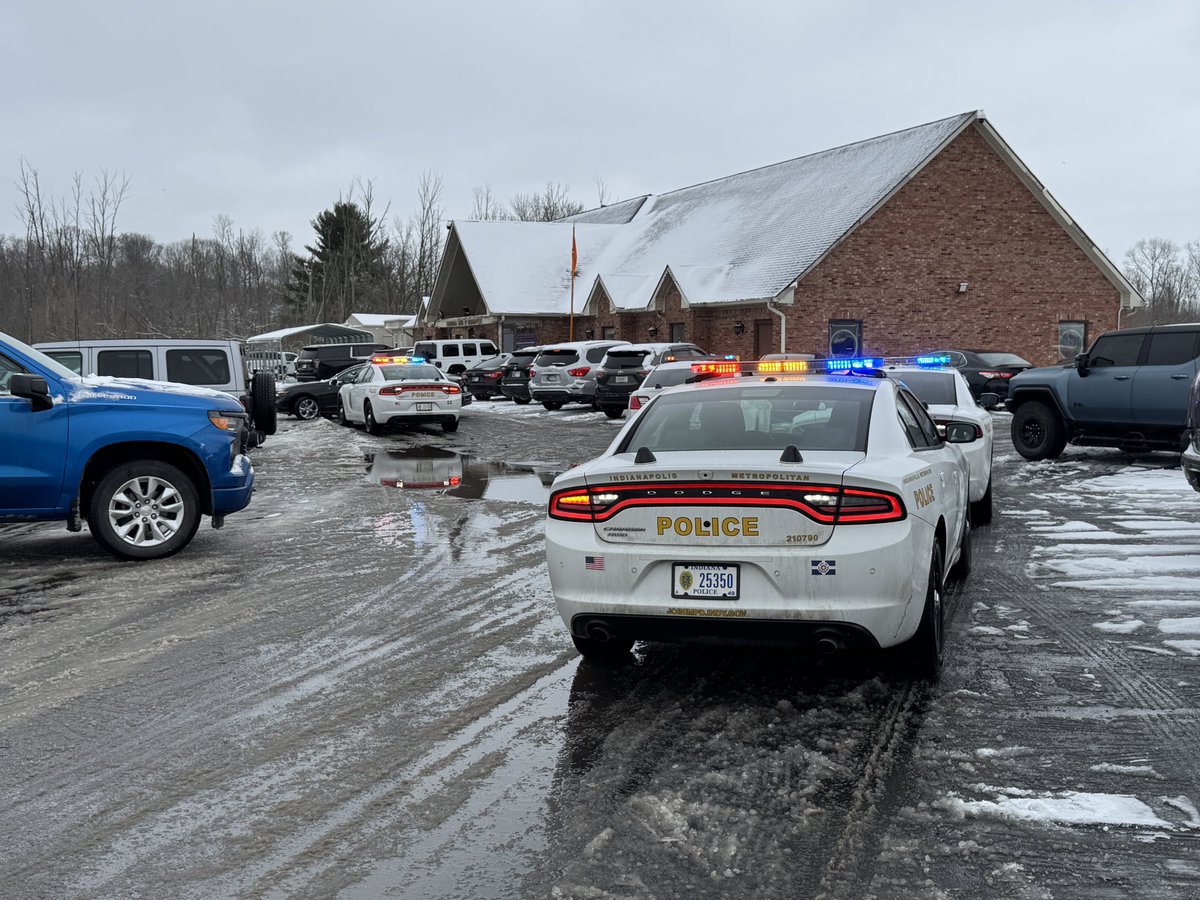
<point>459,475</point>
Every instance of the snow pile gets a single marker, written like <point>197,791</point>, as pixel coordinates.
<point>1060,808</point>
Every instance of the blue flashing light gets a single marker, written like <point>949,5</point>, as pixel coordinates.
<point>417,360</point>
<point>933,361</point>
<point>852,364</point>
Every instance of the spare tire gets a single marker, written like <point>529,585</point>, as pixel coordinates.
<point>262,401</point>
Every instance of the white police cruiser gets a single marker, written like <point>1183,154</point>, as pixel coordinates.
<point>948,398</point>
<point>817,508</point>
<point>395,390</point>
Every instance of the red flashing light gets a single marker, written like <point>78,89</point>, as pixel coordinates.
<point>716,368</point>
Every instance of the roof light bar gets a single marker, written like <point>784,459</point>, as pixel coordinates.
<point>782,365</point>
<point>853,364</point>
<point>716,368</point>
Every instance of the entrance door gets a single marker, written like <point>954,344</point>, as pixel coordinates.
<point>763,335</point>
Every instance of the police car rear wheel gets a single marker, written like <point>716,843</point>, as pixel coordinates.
<point>963,567</point>
<point>924,650</point>
<point>341,414</point>
<point>370,426</point>
<point>981,511</point>
<point>613,649</point>
<point>450,425</point>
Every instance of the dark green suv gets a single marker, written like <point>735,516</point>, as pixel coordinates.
<point>1129,390</point>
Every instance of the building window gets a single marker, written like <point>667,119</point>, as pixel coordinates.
<point>845,337</point>
<point>677,332</point>
<point>1072,340</point>
<point>608,332</point>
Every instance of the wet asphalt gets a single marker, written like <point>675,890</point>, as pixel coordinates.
<point>360,688</point>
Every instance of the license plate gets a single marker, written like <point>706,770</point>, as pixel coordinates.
<point>424,407</point>
<point>552,378</point>
<point>622,379</point>
<point>704,581</point>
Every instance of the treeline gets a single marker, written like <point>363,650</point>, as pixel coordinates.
<point>73,273</point>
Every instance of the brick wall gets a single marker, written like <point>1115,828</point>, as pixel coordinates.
<point>964,217</point>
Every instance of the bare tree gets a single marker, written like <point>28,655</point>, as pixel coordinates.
<point>486,208</point>
<point>1154,266</point>
<point>603,197</point>
<point>554,202</point>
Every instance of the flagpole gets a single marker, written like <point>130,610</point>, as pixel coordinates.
<point>574,255</point>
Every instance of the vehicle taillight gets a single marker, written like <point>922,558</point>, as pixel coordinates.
<point>599,371</point>
<point>579,504</point>
<point>579,371</point>
<point>860,506</point>
<point>529,372</point>
<point>451,389</point>
<point>496,374</point>
<point>997,374</point>
<point>635,402</point>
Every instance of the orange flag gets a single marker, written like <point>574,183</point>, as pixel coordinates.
<point>574,253</point>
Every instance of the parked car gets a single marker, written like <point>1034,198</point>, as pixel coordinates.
<point>827,514</point>
<point>1129,390</point>
<point>482,380</point>
<point>661,378</point>
<point>566,373</point>
<point>141,461</point>
<point>948,398</point>
<point>514,383</point>
<point>217,365</point>
<point>456,356</point>
<point>321,361</point>
<point>986,371</point>
<point>1190,459</point>
<point>310,399</point>
<point>388,392</point>
<point>625,367</point>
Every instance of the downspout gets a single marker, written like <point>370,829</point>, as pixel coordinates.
<point>782,325</point>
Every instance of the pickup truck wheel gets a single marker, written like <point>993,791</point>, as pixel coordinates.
<point>144,509</point>
<point>1037,431</point>
<point>306,408</point>
<point>262,396</point>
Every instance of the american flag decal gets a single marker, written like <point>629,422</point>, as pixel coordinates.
<point>595,563</point>
<point>824,566</point>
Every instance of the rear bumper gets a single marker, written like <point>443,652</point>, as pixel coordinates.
<point>613,399</point>
<point>418,419</point>
<point>516,390</point>
<point>543,395</point>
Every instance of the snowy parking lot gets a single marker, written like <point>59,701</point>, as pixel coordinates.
<point>360,687</point>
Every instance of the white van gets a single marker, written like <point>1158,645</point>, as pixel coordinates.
<point>455,357</point>
<point>220,365</point>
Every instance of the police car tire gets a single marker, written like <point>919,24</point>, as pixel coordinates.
<point>1034,420</point>
<point>370,426</point>
<point>962,568</point>
<point>341,414</point>
<point>981,510</point>
<point>262,396</point>
<point>450,425</point>
<point>924,650</point>
<point>102,529</point>
<point>552,405</point>
<point>612,650</point>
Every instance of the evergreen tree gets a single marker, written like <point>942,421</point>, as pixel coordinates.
<point>345,270</point>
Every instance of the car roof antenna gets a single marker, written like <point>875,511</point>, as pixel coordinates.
<point>644,455</point>
<point>791,454</point>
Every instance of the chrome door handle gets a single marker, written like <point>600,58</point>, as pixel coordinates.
<point>1121,377</point>
<point>1179,377</point>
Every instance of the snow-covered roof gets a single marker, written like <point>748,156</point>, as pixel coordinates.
<point>380,320</point>
<point>327,330</point>
<point>744,237</point>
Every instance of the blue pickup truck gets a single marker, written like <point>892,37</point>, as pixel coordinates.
<point>141,461</point>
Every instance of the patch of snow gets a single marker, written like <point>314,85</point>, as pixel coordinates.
<point>1118,769</point>
<point>1191,648</point>
<point>1104,565</point>
<point>1063,808</point>
<point>1119,627</point>
<point>1180,626</point>
<point>1165,583</point>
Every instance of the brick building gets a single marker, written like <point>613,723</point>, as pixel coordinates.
<point>935,236</point>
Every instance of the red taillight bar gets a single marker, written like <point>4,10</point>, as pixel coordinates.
<point>395,390</point>
<point>579,371</point>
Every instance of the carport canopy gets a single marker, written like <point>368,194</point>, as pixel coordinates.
<point>326,332</point>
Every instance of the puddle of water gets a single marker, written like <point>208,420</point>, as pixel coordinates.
<point>458,475</point>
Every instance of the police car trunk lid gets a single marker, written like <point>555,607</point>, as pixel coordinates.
<point>759,501</point>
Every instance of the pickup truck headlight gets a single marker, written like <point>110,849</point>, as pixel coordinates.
<point>224,420</point>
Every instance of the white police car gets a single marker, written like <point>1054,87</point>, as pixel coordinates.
<point>396,390</point>
<point>948,397</point>
<point>821,509</point>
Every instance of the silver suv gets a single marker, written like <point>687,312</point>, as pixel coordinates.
<point>566,373</point>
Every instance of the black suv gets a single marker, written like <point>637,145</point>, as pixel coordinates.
<point>514,380</point>
<point>1129,390</point>
<point>624,368</point>
<point>322,361</point>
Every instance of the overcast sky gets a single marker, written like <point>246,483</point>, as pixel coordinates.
<point>267,111</point>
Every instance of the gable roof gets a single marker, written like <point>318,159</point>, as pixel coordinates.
<point>746,237</point>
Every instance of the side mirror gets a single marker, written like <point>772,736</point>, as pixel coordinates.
<point>989,400</point>
<point>960,433</point>
<point>1081,364</point>
<point>33,388</point>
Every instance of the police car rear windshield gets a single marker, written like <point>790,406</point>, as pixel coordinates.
<point>755,417</point>
<point>410,373</point>
<point>934,388</point>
